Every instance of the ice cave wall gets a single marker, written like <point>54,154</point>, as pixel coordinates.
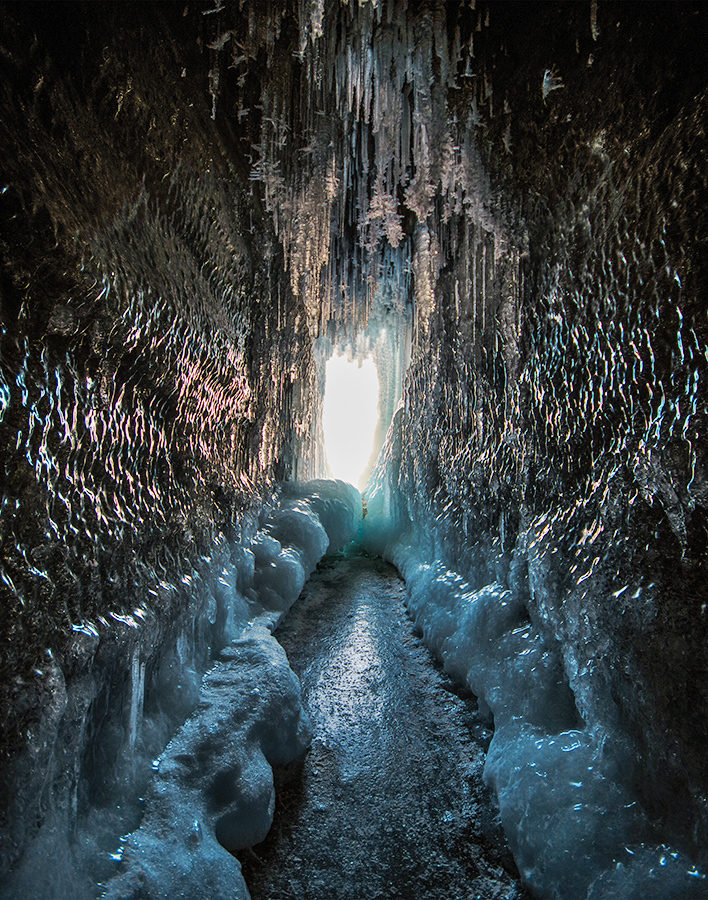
<point>201,202</point>
<point>157,385</point>
<point>532,177</point>
<point>543,489</point>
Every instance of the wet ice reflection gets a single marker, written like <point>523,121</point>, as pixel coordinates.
<point>389,801</point>
<point>345,700</point>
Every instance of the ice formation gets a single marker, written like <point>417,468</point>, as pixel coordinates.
<point>199,207</point>
<point>211,787</point>
<point>565,788</point>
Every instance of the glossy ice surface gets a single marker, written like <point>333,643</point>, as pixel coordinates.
<point>389,800</point>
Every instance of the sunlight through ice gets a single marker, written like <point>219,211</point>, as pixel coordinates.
<point>350,416</point>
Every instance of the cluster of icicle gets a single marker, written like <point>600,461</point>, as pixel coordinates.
<point>372,133</point>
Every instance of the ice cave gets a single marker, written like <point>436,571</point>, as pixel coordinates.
<point>232,669</point>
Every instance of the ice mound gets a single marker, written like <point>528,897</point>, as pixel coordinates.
<point>213,788</point>
<point>485,639</point>
<point>336,504</point>
<point>572,824</point>
<point>313,517</point>
<point>563,786</point>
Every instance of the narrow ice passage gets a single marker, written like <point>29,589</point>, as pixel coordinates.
<point>389,801</point>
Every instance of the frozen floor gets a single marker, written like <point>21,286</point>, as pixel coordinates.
<point>389,801</point>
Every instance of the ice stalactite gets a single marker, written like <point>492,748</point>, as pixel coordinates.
<point>365,173</point>
<point>375,121</point>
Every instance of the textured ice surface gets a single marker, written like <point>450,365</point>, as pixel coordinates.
<point>573,823</point>
<point>213,789</point>
<point>141,441</point>
<point>214,786</point>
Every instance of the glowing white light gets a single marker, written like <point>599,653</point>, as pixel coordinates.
<point>350,416</point>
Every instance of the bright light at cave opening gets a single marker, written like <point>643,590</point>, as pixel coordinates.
<point>350,416</point>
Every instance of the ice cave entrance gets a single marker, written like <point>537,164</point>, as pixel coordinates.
<point>350,416</point>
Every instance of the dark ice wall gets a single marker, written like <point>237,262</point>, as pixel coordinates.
<point>156,381</point>
<point>553,432</point>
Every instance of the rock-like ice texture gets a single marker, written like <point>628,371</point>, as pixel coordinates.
<point>564,788</point>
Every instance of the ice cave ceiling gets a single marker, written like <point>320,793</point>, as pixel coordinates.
<point>503,203</point>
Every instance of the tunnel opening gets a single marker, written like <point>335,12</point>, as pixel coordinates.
<point>350,417</point>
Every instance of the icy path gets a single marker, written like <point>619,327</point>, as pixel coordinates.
<point>389,802</point>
